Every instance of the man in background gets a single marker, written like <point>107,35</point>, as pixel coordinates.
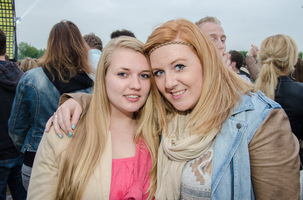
<point>236,62</point>
<point>96,46</point>
<point>211,26</point>
<point>122,32</point>
<point>10,158</point>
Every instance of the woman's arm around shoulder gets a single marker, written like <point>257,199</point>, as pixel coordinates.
<point>69,112</point>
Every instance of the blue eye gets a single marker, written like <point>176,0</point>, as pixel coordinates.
<point>158,73</point>
<point>179,67</point>
<point>122,74</point>
<point>146,76</point>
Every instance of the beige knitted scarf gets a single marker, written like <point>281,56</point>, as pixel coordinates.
<point>176,148</point>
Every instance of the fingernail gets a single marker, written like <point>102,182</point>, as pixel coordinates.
<point>70,134</point>
<point>60,136</point>
<point>73,126</point>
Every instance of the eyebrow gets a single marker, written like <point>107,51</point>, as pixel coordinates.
<point>127,69</point>
<point>177,60</point>
<point>171,63</point>
<point>146,71</point>
<point>212,35</point>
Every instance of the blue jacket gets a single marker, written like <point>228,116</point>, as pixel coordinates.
<point>231,172</point>
<point>35,102</point>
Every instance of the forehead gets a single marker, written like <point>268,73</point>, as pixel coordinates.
<point>168,54</point>
<point>128,58</point>
<point>211,29</point>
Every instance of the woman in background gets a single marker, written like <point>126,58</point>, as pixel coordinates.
<point>277,57</point>
<point>28,63</point>
<point>64,68</point>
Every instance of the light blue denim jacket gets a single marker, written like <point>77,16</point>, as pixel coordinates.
<point>231,163</point>
<point>35,102</point>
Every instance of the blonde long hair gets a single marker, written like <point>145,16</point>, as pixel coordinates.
<point>278,54</point>
<point>92,130</point>
<point>221,87</point>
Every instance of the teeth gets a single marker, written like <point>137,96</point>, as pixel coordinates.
<point>178,93</point>
<point>132,96</point>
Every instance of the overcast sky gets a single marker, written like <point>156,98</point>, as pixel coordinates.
<point>245,22</point>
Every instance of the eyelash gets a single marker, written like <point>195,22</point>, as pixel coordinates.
<point>122,74</point>
<point>156,73</point>
<point>179,65</point>
<point>145,76</point>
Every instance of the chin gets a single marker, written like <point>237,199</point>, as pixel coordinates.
<point>182,107</point>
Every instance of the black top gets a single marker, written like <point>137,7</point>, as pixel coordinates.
<point>289,94</point>
<point>10,75</point>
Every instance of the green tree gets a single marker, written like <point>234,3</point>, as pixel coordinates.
<point>301,54</point>
<point>26,50</point>
<point>243,53</point>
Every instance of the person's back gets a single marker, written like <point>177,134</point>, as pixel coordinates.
<point>298,73</point>
<point>10,75</point>
<point>38,92</point>
<point>277,56</point>
<point>289,94</point>
<point>10,158</point>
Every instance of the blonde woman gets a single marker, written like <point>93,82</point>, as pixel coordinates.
<point>28,63</point>
<point>113,152</point>
<point>277,57</point>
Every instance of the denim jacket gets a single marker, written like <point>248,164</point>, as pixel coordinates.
<point>35,102</point>
<point>231,162</point>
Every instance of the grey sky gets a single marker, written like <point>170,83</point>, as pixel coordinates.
<point>245,22</point>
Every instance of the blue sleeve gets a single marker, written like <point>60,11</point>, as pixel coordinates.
<point>19,121</point>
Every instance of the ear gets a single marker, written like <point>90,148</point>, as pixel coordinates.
<point>233,64</point>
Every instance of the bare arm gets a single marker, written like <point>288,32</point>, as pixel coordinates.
<point>251,62</point>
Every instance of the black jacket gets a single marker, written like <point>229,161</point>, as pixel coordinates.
<point>10,75</point>
<point>289,94</point>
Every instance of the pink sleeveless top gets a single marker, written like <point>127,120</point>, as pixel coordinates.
<point>130,176</point>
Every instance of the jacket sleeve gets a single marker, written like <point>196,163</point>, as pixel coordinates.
<point>275,164</point>
<point>83,99</point>
<point>252,67</point>
<point>19,121</point>
<point>44,177</point>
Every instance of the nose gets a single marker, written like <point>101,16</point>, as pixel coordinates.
<point>135,83</point>
<point>221,46</point>
<point>170,81</point>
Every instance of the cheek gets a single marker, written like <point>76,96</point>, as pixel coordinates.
<point>160,85</point>
<point>146,87</point>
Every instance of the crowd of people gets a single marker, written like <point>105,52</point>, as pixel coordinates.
<point>178,117</point>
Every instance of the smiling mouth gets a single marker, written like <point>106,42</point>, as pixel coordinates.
<point>178,93</point>
<point>132,96</point>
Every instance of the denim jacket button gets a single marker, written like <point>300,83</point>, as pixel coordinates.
<point>239,125</point>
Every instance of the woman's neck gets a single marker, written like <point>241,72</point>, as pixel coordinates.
<point>122,129</point>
